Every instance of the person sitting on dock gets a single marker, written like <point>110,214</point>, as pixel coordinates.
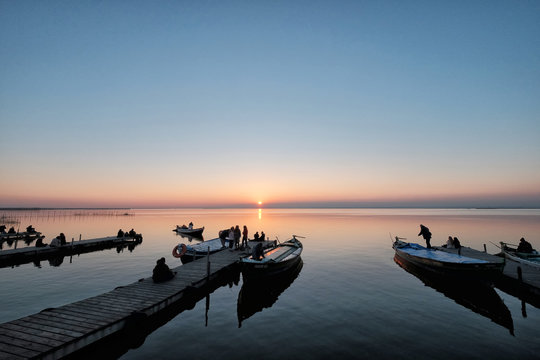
<point>426,234</point>
<point>457,244</point>
<point>190,226</point>
<point>162,272</point>
<point>30,229</point>
<point>62,238</point>
<point>132,233</point>
<point>55,242</point>
<point>258,252</point>
<point>120,234</point>
<point>2,229</point>
<point>524,246</point>
<point>263,236</point>
<point>11,230</point>
<point>39,242</point>
<point>256,236</point>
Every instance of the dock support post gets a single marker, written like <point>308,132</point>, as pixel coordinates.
<point>485,249</point>
<point>208,264</point>
<point>520,274</point>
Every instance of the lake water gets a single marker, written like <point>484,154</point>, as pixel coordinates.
<point>350,299</point>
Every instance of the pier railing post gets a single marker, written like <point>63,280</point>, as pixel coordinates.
<point>208,264</point>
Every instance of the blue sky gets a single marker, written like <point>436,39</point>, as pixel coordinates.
<point>177,103</point>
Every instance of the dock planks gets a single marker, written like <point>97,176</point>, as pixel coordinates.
<point>59,332</point>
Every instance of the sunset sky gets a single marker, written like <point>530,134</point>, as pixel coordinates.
<point>292,103</point>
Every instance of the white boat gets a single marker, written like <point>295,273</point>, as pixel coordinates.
<point>276,260</point>
<point>195,232</point>
<point>524,267</point>
<point>450,264</point>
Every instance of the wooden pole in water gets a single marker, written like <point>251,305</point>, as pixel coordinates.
<point>520,274</point>
<point>485,249</point>
<point>208,264</point>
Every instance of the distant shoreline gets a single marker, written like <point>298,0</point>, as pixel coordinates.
<point>270,207</point>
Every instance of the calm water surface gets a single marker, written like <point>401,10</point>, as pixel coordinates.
<point>350,299</point>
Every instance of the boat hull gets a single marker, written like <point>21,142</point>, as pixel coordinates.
<point>475,270</point>
<point>191,232</point>
<point>276,262</point>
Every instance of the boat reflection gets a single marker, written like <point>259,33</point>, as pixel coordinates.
<point>190,238</point>
<point>477,296</point>
<point>255,296</point>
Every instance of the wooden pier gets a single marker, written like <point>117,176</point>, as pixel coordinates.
<point>69,330</point>
<point>29,254</point>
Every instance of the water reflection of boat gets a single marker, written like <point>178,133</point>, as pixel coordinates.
<point>254,296</point>
<point>477,296</point>
<point>189,238</point>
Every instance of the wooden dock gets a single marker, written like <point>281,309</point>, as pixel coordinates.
<point>29,254</point>
<point>67,331</point>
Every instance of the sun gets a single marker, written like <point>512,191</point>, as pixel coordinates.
<point>260,203</point>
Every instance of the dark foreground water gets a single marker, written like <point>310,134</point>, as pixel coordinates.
<point>349,299</point>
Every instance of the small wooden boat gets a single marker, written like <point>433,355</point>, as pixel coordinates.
<point>275,261</point>
<point>188,253</point>
<point>195,232</point>
<point>448,263</point>
<point>524,267</point>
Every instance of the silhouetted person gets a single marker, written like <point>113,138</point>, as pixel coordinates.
<point>62,238</point>
<point>132,233</point>
<point>2,229</point>
<point>258,252</point>
<point>30,229</point>
<point>426,234</point>
<point>456,242</point>
<point>237,236</point>
<point>263,236</point>
<point>190,225</point>
<point>161,271</point>
<point>244,237</point>
<point>450,243</point>
<point>256,236</point>
<point>11,230</point>
<point>120,233</point>
<point>55,242</point>
<point>223,235</point>
<point>524,246</point>
<point>39,242</point>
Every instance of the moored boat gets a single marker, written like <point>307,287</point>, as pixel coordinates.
<point>188,253</point>
<point>524,267</point>
<point>448,263</point>
<point>195,232</point>
<point>276,260</point>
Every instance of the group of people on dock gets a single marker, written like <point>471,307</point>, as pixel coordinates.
<point>10,231</point>
<point>452,243</point>
<point>233,235</point>
<point>131,233</point>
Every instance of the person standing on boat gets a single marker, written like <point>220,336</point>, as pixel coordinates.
<point>457,244</point>
<point>426,234</point>
<point>524,246</point>
<point>244,237</point>
<point>450,243</point>
<point>190,226</point>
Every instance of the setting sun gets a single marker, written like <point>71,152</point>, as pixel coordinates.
<point>260,202</point>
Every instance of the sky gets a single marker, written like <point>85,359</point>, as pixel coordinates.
<point>291,103</point>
